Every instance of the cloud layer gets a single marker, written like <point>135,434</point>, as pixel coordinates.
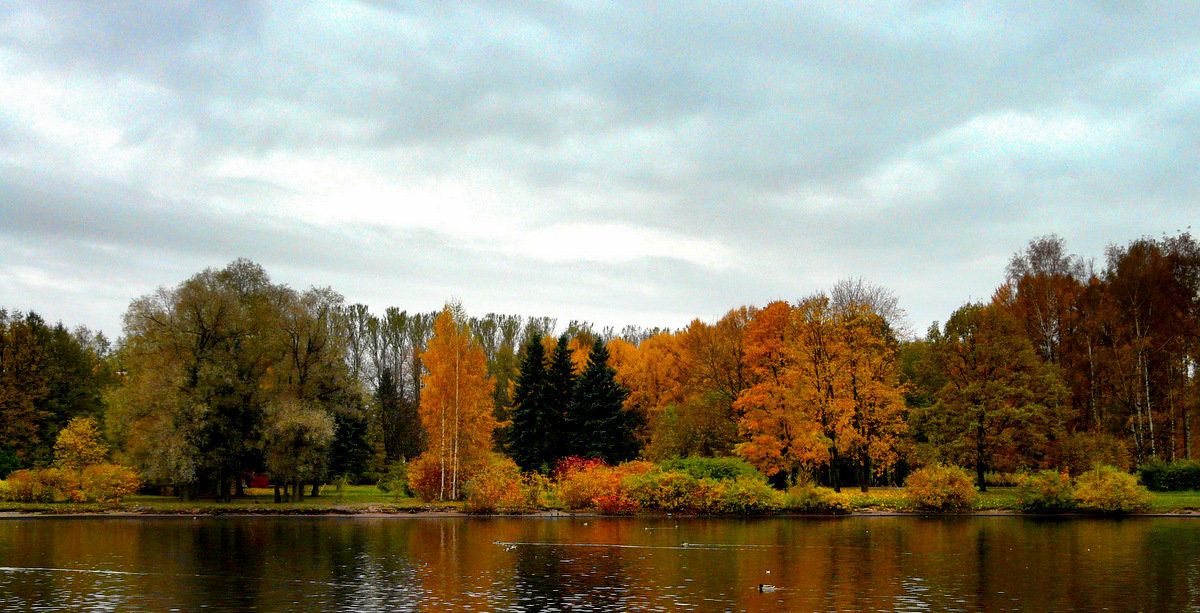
<point>585,160</point>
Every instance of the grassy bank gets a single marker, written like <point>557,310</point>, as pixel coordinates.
<point>368,499</point>
<point>350,500</point>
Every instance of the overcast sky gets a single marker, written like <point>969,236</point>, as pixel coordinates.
<point>617,163</point>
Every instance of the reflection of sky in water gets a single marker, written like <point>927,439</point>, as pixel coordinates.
<point>532,564</point>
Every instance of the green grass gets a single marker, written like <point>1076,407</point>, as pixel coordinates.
<point>1169,502</point>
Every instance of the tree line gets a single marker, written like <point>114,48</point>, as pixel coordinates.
<point>229,374</point>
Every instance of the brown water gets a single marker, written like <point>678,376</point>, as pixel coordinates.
<point>598,564</point>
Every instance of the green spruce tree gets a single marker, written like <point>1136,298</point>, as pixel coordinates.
<point>600,427</point>
<point>535,422</point>
<point>560,386</point>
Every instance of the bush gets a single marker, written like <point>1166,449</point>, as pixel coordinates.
<point>43,485</point>
<point>424,475</point>
<point>748,495</point>
<point>720,469</point>
<point>1178,476</point>
<point>1000,479</point>
<point>582,482</point>
<point>395,480</point>
<point>665,490</point>
<point>807,498</point>
<point>938,487</point>
<point>539,491</point>
<point>108,482</point>
<point>1109,490</point>
<point>97,483</point>
<point>369,478</point>
<point>1048,491</point>
<point>495,484</point>
<point>617,503</point>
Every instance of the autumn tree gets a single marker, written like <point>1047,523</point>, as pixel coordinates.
<point>776,431</point>
<point>998,391</point>
<point>872,382</point>
<point>79,445</point>
<point>456,407</point>
<point>48,376</point>
<point>1154,289</point>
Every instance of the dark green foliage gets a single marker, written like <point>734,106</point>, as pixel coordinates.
<point>395,480</point>
<point>349,452</point>
<point>560,386</point>
<point>399,422</point>
<point>48,376</point>
<point>599,426</point>
<point>536,417</point>
<point>1179,476</point>
<point>8,462</point>
<point>721,469</point>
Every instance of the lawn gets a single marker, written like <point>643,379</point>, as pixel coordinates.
<point>1172,502</point>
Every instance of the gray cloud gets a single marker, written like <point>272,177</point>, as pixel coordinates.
<point>916,144</point>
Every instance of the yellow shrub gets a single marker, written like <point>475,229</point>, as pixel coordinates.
<point>938,487</point>
<point>1105,489</point>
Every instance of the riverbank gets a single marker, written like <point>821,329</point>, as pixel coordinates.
<point>367,501</point>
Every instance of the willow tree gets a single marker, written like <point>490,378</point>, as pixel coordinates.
<point>456,402</point>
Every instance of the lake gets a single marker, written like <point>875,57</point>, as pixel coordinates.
<point>600,564</point>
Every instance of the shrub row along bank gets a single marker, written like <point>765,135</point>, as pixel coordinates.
<point>1179,476</point>
<point>1104,490</point>
<point>728,486</point>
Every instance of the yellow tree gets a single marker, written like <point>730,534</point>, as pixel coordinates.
<point>79,445</point>
<point>872,379</point>
<point>655,377</point>
<point>456,402</point>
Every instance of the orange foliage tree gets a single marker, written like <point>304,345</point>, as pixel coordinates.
<point>825,389</point>
<point>777,432</point>
<point>456,402</point>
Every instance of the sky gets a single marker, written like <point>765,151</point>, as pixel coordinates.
<point>635,163</point>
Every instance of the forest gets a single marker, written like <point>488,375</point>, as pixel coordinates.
<point>1071,364</point>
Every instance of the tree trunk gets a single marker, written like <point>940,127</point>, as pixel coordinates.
<point>316,488</point>
<point>865,477</point>
<point>278,497</point>
<point>980,465</point>
<point>239,489</point>
<point>834,479</point>
<point>1149,408</point>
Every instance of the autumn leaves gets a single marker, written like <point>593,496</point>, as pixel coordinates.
<point>787,387</point>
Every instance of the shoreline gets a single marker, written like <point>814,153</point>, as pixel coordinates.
<point>435,513</point>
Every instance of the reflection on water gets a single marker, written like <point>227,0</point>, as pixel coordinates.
<point>599,564</point>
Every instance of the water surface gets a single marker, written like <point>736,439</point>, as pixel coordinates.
<point>600,564</point>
